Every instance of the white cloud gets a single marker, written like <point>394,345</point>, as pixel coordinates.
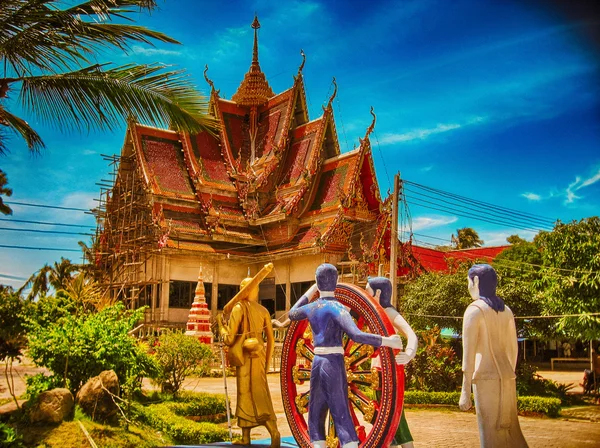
<point>578,184</point>
<point>428,222</point>
<point>136,49</point>
<point>532,196</point>
<point>426,169</point>
<point>79,199</point>
<point>498,238</point>
<point>423,133</point>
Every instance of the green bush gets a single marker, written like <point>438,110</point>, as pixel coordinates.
<point>435,366</point>
<point>422,397</point>
<point>36,384</point>
<point>9,437</point>
<point>169,417</point>
<point>178,356</point>
<point>525,405</point>
<point>79,346</point>
<point>529,383</point>
<point>539,405</point>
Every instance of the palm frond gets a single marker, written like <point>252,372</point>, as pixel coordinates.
<point>94,98</point>
<point>36,34</point>
<point>21,127</point>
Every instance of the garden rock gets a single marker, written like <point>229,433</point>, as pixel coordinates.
<point>95,397</point>
<point>52,406</point>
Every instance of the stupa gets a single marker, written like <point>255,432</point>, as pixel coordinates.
<point>198,324</point>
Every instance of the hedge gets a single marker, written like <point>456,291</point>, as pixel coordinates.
<point>170,418</point>
<point>525,405</point>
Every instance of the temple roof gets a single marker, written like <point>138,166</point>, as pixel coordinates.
<point>271,180</point>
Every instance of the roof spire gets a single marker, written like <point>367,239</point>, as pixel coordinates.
<point>256,25</point>
<point>372,126</point>
<point>254,90</point>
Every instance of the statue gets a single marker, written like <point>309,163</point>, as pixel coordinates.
<point>243,333</point>
<point>328,383</point>
<point>381,289</point>
<point>489,361</point>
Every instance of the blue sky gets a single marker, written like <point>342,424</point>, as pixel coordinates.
<point>493,100</point>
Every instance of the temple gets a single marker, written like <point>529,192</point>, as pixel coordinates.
<point>271,186</point>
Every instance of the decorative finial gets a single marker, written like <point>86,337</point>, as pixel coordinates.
<point>248,271</point>
<point>256,26</point>
<point>303,62</point>
<point>372,126</point>
<point>334,92</point>
<point>210,83</point>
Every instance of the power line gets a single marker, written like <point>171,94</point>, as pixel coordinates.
<point>46,231</point>
<point>45,223</point>
<point>40,248</point>
<point>48,206</point>
<point>500,215</point>
<point>482,203</point>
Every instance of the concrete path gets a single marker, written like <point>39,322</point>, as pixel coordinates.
<point>438,427</point>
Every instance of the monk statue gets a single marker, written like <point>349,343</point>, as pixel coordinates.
<point>381,289</point>
<point>243,333</point>
<point>329,319</point>
<point>489,361</point>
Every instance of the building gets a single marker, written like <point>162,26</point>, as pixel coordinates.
<point>271,186</point>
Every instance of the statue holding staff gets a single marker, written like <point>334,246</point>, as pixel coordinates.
<point>243,334</point>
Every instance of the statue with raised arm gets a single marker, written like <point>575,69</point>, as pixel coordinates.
<point>489,362</point>
<point>381,289</point>
<point>329,320</point>
<point>243,333</point>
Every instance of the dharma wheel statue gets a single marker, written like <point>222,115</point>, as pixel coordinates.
<point>375,395</point>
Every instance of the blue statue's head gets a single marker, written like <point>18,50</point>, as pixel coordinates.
<point>485,286</point>
<point>326,276</point>
<point>384,285</point>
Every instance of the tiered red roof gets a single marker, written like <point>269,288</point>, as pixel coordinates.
<point>270,181</point>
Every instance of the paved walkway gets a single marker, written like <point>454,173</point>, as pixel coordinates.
<point>439,427</point>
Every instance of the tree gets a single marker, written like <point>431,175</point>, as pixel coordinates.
<point>178,356</point>
<point>4,209</point>
<point>48,53</point>
<point>466,238</point>
<point>13,310</point>
<point>57,276</point>
<point>90,343</point>
<point>570,275</point>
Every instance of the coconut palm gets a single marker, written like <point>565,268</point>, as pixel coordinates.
<point>48,54</point>
<point>57,276</point>
<point>4,209</point>
<point>466,238</point>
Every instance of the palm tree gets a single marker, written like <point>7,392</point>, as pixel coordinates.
<point>4,209</point>
<point>48,54</point>
<point>466,238</point>
<point>59,276</point>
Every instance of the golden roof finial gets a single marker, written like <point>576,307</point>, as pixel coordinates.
<point>303,62</point>
<point>372,126</point>
<point>334,93</point>
<point>210,83</point>
<point>254,90</point>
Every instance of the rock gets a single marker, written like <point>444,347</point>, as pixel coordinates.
<point>52,406</point>
<point>95,401</point>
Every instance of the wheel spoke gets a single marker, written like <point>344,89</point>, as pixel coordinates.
<point>300,374</point>
<point>302,402</point>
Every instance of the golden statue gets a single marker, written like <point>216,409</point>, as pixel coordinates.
<point>243,334</point>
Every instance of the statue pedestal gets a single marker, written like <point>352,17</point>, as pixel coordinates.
<point>286,442</point>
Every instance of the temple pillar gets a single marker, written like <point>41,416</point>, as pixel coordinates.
<point>215,290</point>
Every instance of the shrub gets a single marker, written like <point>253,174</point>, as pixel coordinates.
<point>435,366</point>
<point>178,356</point>
<point>9,437</point>
<point>77,347</point>
<point>525,405</point>
<point>530,383</point>
<point>539,405</point>
<point>36,384</point>
<point>169,417</point>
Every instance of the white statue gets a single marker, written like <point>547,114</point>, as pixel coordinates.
<point>489,361</point>
<point>381,289</point>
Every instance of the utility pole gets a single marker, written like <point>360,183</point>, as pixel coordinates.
<point>394,241</point>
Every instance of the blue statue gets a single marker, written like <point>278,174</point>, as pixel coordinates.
<point>328,383</point>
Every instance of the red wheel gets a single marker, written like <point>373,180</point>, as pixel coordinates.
<point>375,396</point>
